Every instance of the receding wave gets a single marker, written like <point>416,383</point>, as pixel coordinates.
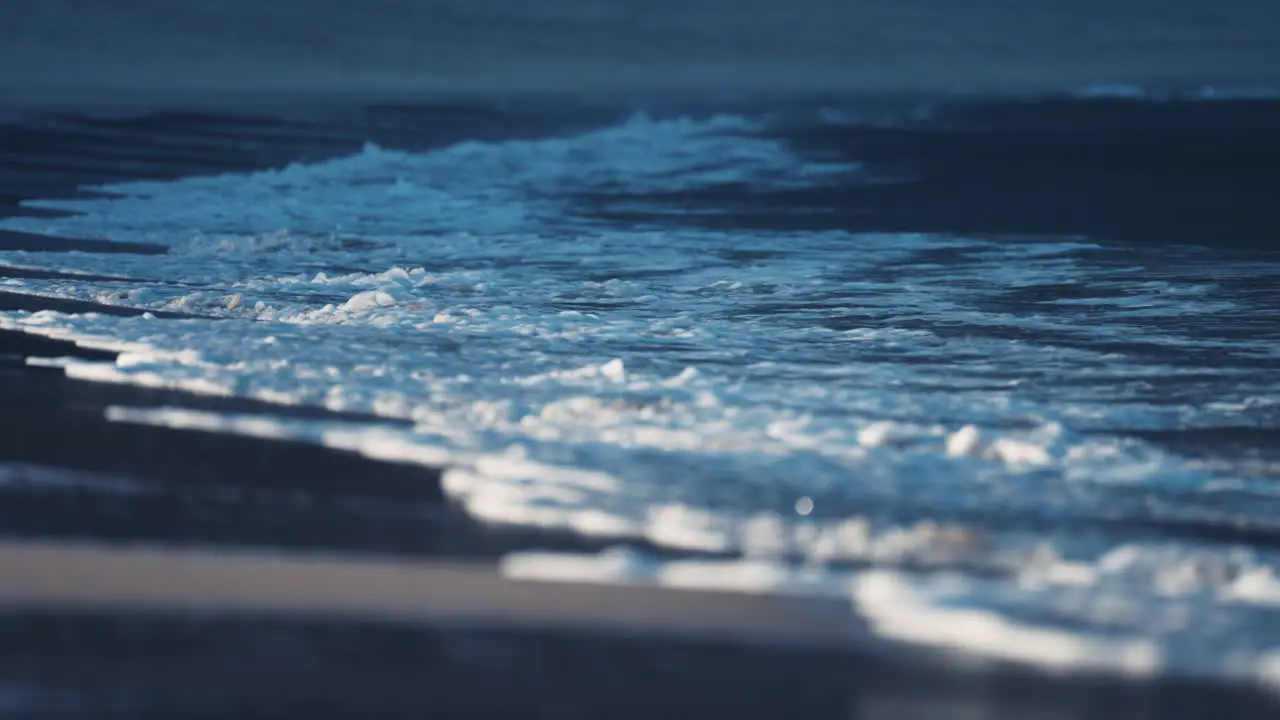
<point>1052,443</point>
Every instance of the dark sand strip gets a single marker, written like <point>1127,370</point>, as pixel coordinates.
<point>26,302</point>
<point>137,578</point>
<point>24,273</point>
<point>10,206</point>
<point>20,345</point>
<point>156,630</point>
<point>164,666</point>
<point>11,240</point>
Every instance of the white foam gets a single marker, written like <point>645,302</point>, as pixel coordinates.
<point>109,373</point>
<point>900,610</point>
<point>50,362</point>
<point>474,186</point>
<point>377,442</point>
<point>369,300</point>
<point>963,441</point>
<point>1127,589</point>
<point>884,432</point>
<point>623,565</point>
<point>1085,628</point>
<point>793,400</point>
<point>1257,585</point>
<point>615,565</point>
<point>1268,669</point>
<point>182,419</point>
<point>508,487</point>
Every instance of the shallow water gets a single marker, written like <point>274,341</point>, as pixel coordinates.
<point>673,328</point>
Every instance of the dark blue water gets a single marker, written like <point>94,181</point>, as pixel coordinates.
<point>84,48</point>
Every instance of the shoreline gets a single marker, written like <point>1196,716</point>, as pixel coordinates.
<point>82,491</point>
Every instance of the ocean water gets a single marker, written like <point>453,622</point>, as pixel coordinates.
<point>67,48</point>
<point>1034,437</point>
